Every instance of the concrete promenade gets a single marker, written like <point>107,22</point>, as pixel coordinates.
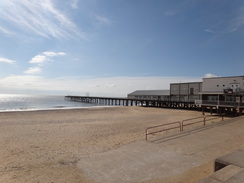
<point>184,157</point>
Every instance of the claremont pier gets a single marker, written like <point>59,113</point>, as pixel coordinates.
<point>133,102</point>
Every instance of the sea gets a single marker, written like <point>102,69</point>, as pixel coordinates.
<point>26,102</point>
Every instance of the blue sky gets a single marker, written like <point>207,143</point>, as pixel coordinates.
<point>113,47</point>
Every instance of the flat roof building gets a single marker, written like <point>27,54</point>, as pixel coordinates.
<point>150,94</point>
<point>185,91</point>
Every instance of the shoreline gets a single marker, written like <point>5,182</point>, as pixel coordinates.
<point>53,109</point>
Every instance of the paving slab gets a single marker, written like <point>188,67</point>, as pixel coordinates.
<point>136,162</point>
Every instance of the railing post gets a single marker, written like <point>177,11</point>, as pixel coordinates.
<point>204,120</point>
<point>146,134</point>
<point>182,126</point>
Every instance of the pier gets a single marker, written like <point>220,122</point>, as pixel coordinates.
<point>206,106</point>
<point>111,101</point>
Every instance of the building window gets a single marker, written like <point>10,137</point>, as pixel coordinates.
<point>223,85</point>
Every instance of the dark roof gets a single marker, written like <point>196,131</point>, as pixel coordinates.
<point>150,92</point>
<point>186,83</point>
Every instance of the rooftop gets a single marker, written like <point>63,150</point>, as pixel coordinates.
<point>150,92</point>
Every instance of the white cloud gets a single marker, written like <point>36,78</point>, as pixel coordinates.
<point>33,70</point>
<point>40,17</point>
<point>38,59</point>
<point>51,54</point>
<point>209,75</point>
<point>5,60</point>
<point>44,57</point>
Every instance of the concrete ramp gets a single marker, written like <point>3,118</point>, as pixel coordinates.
<point>136,162</point>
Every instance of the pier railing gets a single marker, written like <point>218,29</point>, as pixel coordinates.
<point>219,103</point>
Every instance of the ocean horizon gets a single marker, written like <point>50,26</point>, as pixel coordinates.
<point>26,102</point>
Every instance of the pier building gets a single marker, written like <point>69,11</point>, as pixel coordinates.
<point>185,91</point>
<point>150,94</point>
<point>223,94</point>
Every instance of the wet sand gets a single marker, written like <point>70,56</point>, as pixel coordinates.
<point>45,146</point>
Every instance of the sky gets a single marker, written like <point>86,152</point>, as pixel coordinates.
<point>114,47</point>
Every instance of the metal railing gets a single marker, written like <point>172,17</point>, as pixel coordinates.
<point>219,103</point>
<point>212,118</point>
<point>178,123</point>
<point>188,122</point>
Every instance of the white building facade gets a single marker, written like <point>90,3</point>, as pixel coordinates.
<point>223,92</point>
<point>223,84</point>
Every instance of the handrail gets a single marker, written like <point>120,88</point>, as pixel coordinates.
<point>186,120</point>
<point>213,118</point>
<point>202,119</point>
<point>171,128</point>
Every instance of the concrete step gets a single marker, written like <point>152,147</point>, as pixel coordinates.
<point>225,175</point>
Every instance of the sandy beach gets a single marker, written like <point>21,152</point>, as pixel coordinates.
<point>51,146</point>
<point>45,146</point>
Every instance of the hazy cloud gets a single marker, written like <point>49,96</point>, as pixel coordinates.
<point>110,85</point>
<point>103,20</point>
<point>5,60</point>
<point>210,31</point>
<point>124,85</point>
<point>94,85</point>
<point>33,70</point>
<point>5,31</point>
<point>74,4</point>
<point>237,22</point>
<point>40,17</point>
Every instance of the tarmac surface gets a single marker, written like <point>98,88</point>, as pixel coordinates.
<point>165,157</point>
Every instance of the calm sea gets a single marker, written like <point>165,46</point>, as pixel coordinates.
<point>20,102</point>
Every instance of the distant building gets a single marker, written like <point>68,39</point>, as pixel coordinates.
<point>185,91</point>
<point>150,94</point>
